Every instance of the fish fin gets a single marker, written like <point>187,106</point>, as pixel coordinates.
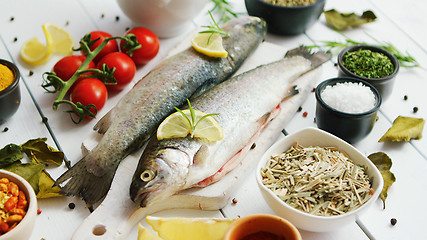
<point>83,183</point>
<point>317,58</point>
<point>103,124</point>
<point>200,156</point>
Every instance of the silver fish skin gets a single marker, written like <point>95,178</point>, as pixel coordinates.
<point>136,116</point>
<point>245,104</point>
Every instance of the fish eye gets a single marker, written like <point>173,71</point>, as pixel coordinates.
<point>147,175</point>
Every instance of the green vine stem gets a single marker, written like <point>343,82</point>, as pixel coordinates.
<point>51,80</point>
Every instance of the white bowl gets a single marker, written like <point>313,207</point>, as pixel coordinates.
<point>23,230</point>
<point>166,18</point>
<point>306,221</point>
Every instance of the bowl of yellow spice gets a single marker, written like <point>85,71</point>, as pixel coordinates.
<point>372,64</point>
<point>10,93</point>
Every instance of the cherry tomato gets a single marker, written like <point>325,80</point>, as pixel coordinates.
<point>67,66</point>
<point>149,45</point>
<point>111,45</point>
<point>125,69</point>
<point>90,91</point>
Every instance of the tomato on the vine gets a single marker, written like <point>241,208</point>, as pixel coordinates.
<point>110,47</point>
<point>68,65</point>
<point>125,69</point>
<point>90,91</point>
<point>149,45</point>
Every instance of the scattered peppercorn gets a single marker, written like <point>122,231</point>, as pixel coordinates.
<point>335,64</point>
<point>127,29</point>
<point>102,15</point>
<point>71,205</point>
<point>299,109</point>
<point>67,23</point>
<point>39,211</point>
<point>304,114</point>
<point>234,201</point>
<point>5,129</point>
<point>405,97</point>
<point>117,18</point>
<point>313,90</point>
<point>253,146</point>
<point>393,221</point>
<point>44,119</point>
<point>30,73</point>
<point>15,39</point>
<point>11,19</point>
<point>415,109</point>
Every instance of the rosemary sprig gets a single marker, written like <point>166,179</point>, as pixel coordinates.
<point>404,59</point>
<point>223,8</point>
<point>214,28</point>
<point>192,121</point>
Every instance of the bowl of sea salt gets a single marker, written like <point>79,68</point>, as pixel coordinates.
<point>347,107</point>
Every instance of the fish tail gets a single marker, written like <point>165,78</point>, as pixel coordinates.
<point>316,58</point>
<point>83,183</point>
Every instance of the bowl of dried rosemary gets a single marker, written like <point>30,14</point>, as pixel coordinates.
<point>317,181</point>
<point>372,64</point>
<point>286,17</point>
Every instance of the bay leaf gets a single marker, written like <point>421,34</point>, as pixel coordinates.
<point>40,152</point>
<point>383,162</point>
<point>404,129</point>
<point>9,154</point>
<point>46,188</point>
<point>342,21</point>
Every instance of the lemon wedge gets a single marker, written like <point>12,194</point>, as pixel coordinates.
<point>62,42</point>
<point>146,234</point>
<point>176,228</point>
<point>177,126</point>
<point>58,41</point>
<point>209,44</point>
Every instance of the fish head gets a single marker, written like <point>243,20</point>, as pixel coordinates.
<point>159,175</point>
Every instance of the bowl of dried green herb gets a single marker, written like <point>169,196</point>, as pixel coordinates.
<point>373,64</point>
<point>317,181</point>
<point>286,17</point>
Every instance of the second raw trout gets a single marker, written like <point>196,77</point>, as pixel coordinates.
<point>245,104</point>
<point>136,116</point>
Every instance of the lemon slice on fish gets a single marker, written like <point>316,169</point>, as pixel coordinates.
<point>58,41</point>
<point>209,44</point>
<point>177,126</point>
<point>177,228</point>
<point>146,234</point>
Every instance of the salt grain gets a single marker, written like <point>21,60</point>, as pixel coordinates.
<point>349,97</point>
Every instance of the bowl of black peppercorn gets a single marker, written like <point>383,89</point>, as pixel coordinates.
<point>286,18</point>
<point>372,64</point>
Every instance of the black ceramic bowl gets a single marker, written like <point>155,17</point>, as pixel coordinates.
<point>286,20</point>
<point>383,85</point>
<point>351,127</point>
<point>10,97</point>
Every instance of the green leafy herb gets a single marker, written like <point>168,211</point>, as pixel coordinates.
<point>383,163</point>
<point>223,8</point>
<point>405,60</point>
<point>214,28</point>
<point>192,121</point>
<point>34,172</point>
<point>342,21</point>
<point>369,64</point>
<point>404,129</point>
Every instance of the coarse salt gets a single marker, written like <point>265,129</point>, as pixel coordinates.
<point>349,97</point>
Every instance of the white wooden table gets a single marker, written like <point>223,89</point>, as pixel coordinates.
<point>402,23</point>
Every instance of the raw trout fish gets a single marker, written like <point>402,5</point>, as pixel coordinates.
<point>136,116</point>
<point>246,104</point>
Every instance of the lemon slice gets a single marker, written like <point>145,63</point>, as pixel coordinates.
<point>35,53</point>
<point>146,234</point>
<point>177,126</point>
<point>209,44</point>
<point>58,41</point>
<point>62,42</point>
<point>175,228</point>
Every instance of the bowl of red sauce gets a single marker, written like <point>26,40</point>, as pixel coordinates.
<point>262,227</point>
